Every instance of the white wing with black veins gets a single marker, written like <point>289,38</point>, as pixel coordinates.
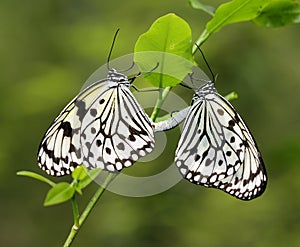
<point>104,126</point>
<point>116,131</point>
<point>216,149</point>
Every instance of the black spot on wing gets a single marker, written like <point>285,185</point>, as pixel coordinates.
<point>81,109</point>
<point>131,138</point>
<point>221,112</point>
<point>108,150</point>
<point>66,127</point>
<point>197,157</point>
<point>93,112</point>
<point>121,146</point>
<point>98,143</point>
<point>231,123</point>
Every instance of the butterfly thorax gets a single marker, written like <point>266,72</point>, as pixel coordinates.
<point>117,78</point>
<point>202,92</point>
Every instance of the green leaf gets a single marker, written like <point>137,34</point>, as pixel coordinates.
<point>231,12</point>
<point>60,193</point>
<point>78,190</point>
<point>206,8</point>
<point>168,44</point>
<point>36,176</point>
<point>279,13</point>
<point>80,172</point>
<point>92,174</point>
<point>235,11</point>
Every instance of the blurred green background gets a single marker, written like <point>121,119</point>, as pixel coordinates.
<point>47,50</point>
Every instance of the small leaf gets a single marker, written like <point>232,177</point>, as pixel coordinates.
<point>36,176</point>
<point>206,8</point>
<point>235,11</point>
<point>279,13</point>
<point>168,44</point>
<point>78,190</point>
<point>60,193</point>
<point>267,13</point>
<point>80,172</point>
<point>92,174</point>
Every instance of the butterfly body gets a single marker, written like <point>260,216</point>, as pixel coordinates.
<point>103,126</point>
<point>216,149</point>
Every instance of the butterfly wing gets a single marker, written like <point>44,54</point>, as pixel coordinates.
<point>60,149</point>
<point>116,132</point>
<point>217,150</point>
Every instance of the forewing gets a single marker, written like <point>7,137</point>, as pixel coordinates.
<point>216,149</point>
<point>60,149</point>
<point>116,131</point>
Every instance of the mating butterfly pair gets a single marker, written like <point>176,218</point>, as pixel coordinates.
<point>104,126</point>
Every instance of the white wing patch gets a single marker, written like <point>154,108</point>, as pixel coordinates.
<point>216,149</point>
<point>104,126</point>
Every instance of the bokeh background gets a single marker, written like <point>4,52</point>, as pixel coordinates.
<point>47,50</point>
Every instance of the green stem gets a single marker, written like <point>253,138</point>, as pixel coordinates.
<point>231,96</point>
<point>203,37</point>
<point>75,228</point>
<point>161,98</point>
<point>75,211</point>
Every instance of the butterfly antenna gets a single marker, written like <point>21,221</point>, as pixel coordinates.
<point>186,86</point>
<point>154,68</point>
<point>131,80</point>
<point>209,68</point>
<point>111,48</point>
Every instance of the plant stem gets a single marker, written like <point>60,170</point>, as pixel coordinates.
<point>203,37</point>
<point>75,211</point>
<point>161,98</point>
<point>231,96</point>
<point>75,228</point>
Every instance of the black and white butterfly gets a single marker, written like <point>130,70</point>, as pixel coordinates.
<point>103,126</point>
<point>216,149</point>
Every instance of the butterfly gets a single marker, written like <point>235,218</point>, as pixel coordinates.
<point>104,126</point>
<point>216,148</point>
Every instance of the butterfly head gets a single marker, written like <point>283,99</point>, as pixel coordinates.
<point>206,89</point>
<point>117,77</point>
